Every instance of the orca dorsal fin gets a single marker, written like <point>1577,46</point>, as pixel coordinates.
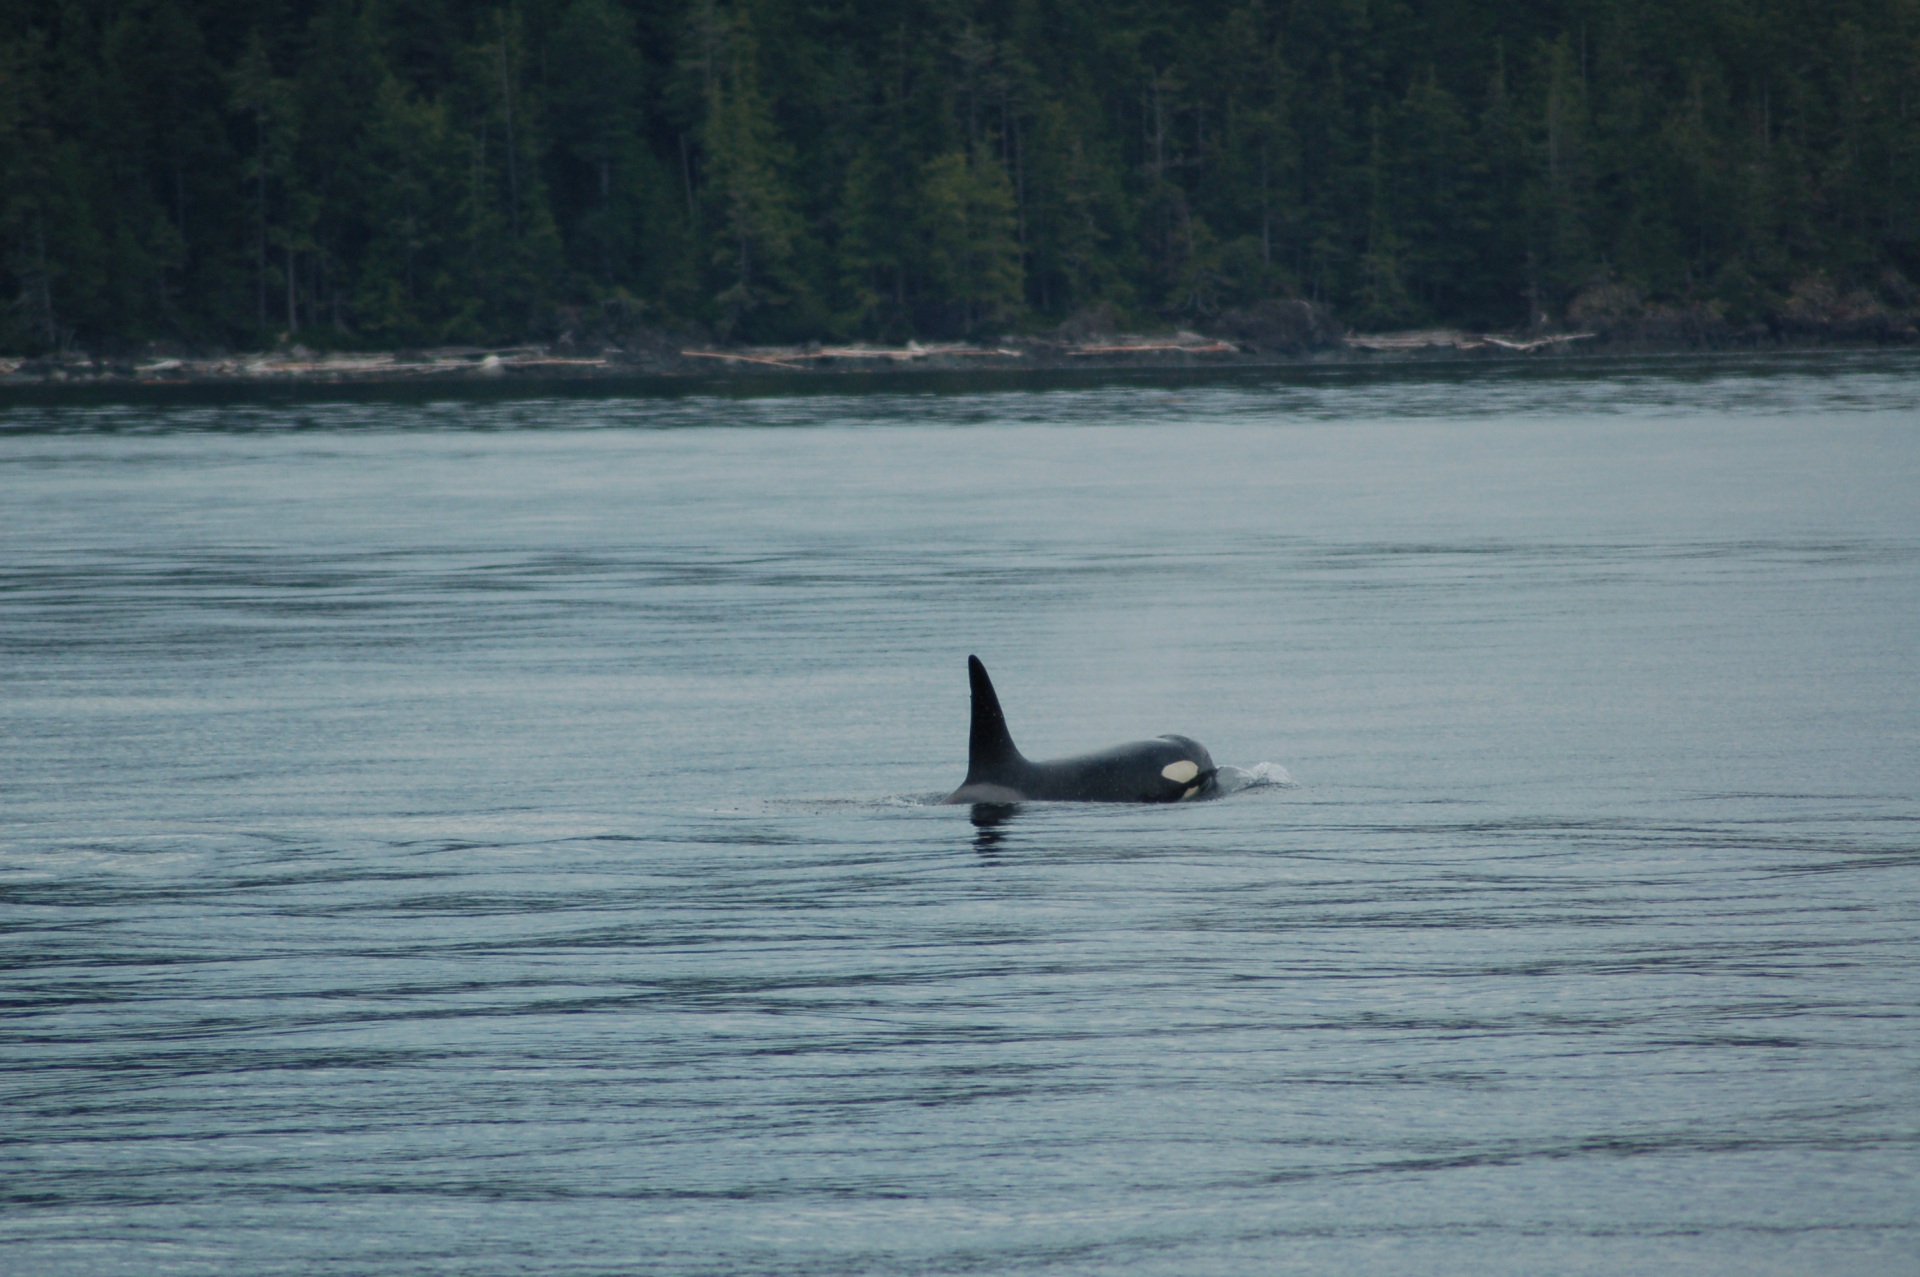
<point>990,748</point>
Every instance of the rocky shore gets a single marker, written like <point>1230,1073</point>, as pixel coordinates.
<point>1274,333</point>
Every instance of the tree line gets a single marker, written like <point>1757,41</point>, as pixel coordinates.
<point>406,172</point>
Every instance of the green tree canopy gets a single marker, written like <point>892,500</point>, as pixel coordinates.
<point>359,172</point>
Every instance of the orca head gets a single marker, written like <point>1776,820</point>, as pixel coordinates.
<point>1195,771</point>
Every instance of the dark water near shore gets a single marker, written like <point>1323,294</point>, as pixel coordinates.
<point>493,837</point>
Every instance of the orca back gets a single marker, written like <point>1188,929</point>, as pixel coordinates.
<point>1165,770</point>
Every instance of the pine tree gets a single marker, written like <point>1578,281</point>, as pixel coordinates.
<point>266,104</point>
<point>596,118</point>
<point>972,253</point>
<point>755,227</point>
<point>30,201</point>
<point>1080,222</point>
<point>415,170</point>
<point>175,166</point>
<point>510,246</point>
<point>408,281</point>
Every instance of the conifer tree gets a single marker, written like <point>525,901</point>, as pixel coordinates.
<point>408,277</point>
<point>266,105</point>
<point>379,171</point>
<point>596,117</point>
<point>971,252</point>
<point>755,226</point>
<point>511,253</point>
<point>30,202</point>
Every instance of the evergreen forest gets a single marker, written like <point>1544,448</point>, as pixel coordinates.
<point>385,173</point>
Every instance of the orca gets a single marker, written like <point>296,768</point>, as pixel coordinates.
<point>1166,769</point>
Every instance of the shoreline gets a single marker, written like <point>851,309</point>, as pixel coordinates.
<point>658,359</point>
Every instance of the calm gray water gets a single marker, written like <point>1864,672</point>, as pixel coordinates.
<point>497,837</point>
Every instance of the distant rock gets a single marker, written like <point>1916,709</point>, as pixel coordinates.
<point>1815,312</point>
<point>1818,310</point>
<point>1621,316</point>
<point>1278,327</point>
<point>647,349</point>
<point>1088,324</point>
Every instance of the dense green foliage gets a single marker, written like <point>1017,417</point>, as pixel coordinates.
<point>391,172</point>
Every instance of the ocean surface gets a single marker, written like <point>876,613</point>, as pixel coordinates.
<point>501,835</point>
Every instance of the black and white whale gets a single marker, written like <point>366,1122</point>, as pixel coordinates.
<point>1163,770</point>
